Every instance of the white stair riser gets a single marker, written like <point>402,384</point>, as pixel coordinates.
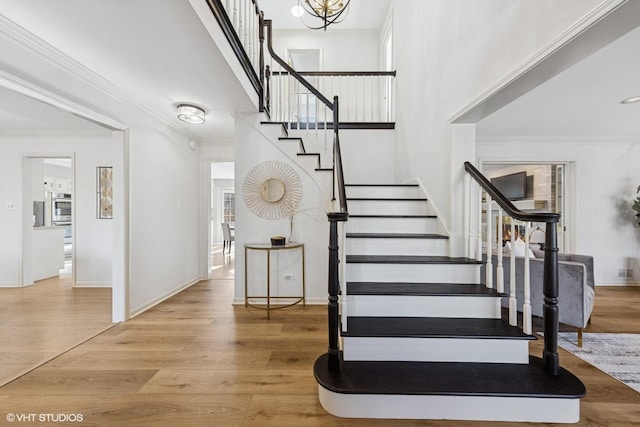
<point>480,350</point>
<point>480,408</point>
<point>423,306</point>
<point>392,225</point>
<point>308,163</point>
<point>383,191</point>
<point>290,148</point>
<point>434,273</point>
<point>389,207</point>
<point>397,246</point>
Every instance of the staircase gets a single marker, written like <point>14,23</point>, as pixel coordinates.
<point>424,338</point>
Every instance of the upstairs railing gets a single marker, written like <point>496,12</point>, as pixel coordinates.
<point>366,96</point>
<point>241,23</point>
<point>481,199</point>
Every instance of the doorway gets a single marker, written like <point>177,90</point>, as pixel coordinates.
<point>48,218</point>
<point>222,210</point>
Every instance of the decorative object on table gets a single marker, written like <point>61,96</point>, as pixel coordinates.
<point>636,206</point>
<point>278,240</point>
<point>272,190</point>
<point>104,192</point>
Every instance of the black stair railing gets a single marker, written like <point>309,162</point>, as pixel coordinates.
<point>339,194</point>
<point>550,275</point>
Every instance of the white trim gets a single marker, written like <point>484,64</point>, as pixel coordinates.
<point>92,285</point>
<point>467,349</point>
<point>465,306</point>
<point>477,408</point>
<point>570,34</point>
<point>162,298</point>
<point>40,48</point>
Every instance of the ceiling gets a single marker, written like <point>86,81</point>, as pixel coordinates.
<point>581,102</point>
<point>162,65</point>
<point>363,15</point>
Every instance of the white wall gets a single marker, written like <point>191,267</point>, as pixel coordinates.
<point>93,237</point>
<point>607,177</point>
<point>164,217</point>
<point>446,54</point>
<point>342,50</point>
<point>311,222</point>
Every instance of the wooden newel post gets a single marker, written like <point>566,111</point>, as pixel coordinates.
<point>334,288</point>
<point>550,310</point>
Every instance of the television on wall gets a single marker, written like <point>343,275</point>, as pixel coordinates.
<point>513,186</point>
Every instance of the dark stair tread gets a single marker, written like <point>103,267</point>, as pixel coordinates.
<point>421,289</point>
<point>324,169</point>
<point>433,327</point>
<point>396,236</point>
<point>381,185</point>
<point>308,154</point>
<point>447,378</point>
<point>409,259</point>
<point>393,216</point>
<point>387,199</point>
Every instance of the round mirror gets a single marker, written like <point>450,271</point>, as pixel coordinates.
<point>272,190</point>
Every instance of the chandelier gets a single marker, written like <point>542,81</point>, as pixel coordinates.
<point>329,11</point>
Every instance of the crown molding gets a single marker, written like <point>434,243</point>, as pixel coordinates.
<point>40,48</point>
<point>45,132</point>
<point>559,139</point>
<point>480,107</point>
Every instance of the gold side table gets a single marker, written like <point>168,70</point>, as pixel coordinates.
<point>268,249</point>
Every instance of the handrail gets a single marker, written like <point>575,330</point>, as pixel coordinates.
<point>297,75</point>
<point>340,73</point>
<point>221,16</point>
<point>550,312</point>
<point>333,282</point>
<point>505,203</point>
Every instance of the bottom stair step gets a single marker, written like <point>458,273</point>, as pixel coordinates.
<point>448,390</point>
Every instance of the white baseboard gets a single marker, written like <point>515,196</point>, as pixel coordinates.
<point>160,299</point>
<point>92,285</point>
<point>308,301</point>
<point>10,285</point>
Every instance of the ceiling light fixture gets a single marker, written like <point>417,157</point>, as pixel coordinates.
<point>630,100</point>
<point>329,11</point>
<point>190,114</point>
<point>297,10</point>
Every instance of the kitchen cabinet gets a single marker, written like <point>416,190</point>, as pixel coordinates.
<point>48,251</point>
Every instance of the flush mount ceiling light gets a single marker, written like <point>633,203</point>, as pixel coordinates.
<point>191,114</point>
<point>329,11</point>
<point>630,100</point>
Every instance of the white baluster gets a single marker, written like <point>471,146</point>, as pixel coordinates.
<point>372,80</point>
<point>526,304</point>
<point>500,267</point>
<point>347,96</point>
<point>466,233</point>
<point>236,18</point>
<point>489,264</point>
<point>479,229</point>
<point>513,303</point>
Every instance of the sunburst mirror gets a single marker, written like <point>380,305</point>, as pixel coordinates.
<point>272,190</point>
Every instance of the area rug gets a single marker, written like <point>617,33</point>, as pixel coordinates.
<point>616,354</point>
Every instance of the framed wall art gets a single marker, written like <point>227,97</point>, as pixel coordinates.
<point>104,196</point>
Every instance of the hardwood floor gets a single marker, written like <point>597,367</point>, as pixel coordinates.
<point>42,321</point>
<point>196,360</point>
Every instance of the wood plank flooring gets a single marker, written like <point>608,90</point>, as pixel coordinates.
<point>41,321</point>
<point>196,360</point>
